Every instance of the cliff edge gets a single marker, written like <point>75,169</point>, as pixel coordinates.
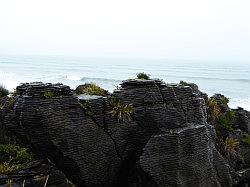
<point>165,142</point>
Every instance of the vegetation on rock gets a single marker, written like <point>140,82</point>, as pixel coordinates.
<point>1,106</point>
<point>143,76</point>
<point>213,109</point>
<point>230,147</point>
<point>221,99</point>
<point>225,124</point>
<point>87,108</point>
<point>183,83</point>
<point>3,91</point>
<point>7,102</point>
<point>224,100</point>
<point>48,94</point>
<point>246,140</point>
<point>229,130</point>
<point>122,112</point>
<point>91,89</point>
<point>13,158</point>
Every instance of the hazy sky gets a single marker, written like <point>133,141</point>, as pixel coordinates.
<point>173,29</point>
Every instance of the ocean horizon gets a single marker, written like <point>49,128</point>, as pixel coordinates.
<point>230,79</point>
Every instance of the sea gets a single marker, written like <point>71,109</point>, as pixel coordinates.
<point>231,79</point>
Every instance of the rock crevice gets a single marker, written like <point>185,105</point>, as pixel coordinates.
<point>166,143</point>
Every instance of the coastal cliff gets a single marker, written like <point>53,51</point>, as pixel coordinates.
<point>166,142</point>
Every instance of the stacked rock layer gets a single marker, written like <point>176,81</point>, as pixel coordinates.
<point>166,143</point>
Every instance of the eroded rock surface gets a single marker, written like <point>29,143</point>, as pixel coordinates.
<point>39,173</point>
<point>167,143</point>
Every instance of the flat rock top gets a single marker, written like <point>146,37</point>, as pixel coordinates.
<point>39,88</point>
<point>134,82</point>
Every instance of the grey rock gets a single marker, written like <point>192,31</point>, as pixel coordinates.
<point>167,143</point>
<point>184,157</point>
<point>244,176</point>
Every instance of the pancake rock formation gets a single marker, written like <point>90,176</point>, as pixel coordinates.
<point>167,141</point>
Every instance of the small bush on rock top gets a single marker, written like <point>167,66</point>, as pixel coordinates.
<point>13,158</point>
<point>3,91</point>
<point>91,89</point>
<point>184,83</point>
<point>122,112</point>
<point>221,99</point>
<point>143,76</point>
<point>224,100</point>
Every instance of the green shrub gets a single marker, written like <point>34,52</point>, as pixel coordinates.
<point>230,147</point>
<point>91,89</point>
<point>213,109</point>
<point>143,76</point>
<point>227,118</point>
<point>8,169</point>
<point>184,83</point>
<point>221,99</point>
<point>48,94</point>
<point>122,112</point>
<point>224,100</point>
<point>225,125</point>
<point>3,91</point>
<point>224,122</point>
<point>231,114</point>
<point>1,106</point>
<point>13,158</point>
<point>246,140</point>
<point>87,108</point>
<point>7,103</point>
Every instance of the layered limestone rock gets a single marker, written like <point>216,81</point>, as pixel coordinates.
<point>56,128</point>
<point>243,119</point>
<point>180,150</point>
<point>167,143</point>
<point>39,173</point>
<point>184,157</point>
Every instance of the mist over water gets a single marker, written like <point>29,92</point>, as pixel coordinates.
<point>230,79</point>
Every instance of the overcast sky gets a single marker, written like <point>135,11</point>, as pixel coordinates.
<point>172,29</point>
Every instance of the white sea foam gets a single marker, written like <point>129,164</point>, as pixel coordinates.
<point>244,103</point>
<point>4,75</point>
<point>7,80</point>
<point>72,77</point>
<point>108,73</point>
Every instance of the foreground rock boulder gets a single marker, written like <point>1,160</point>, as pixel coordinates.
<point>233,138</point>
<point>166,143</point>
<point>38,174</point>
